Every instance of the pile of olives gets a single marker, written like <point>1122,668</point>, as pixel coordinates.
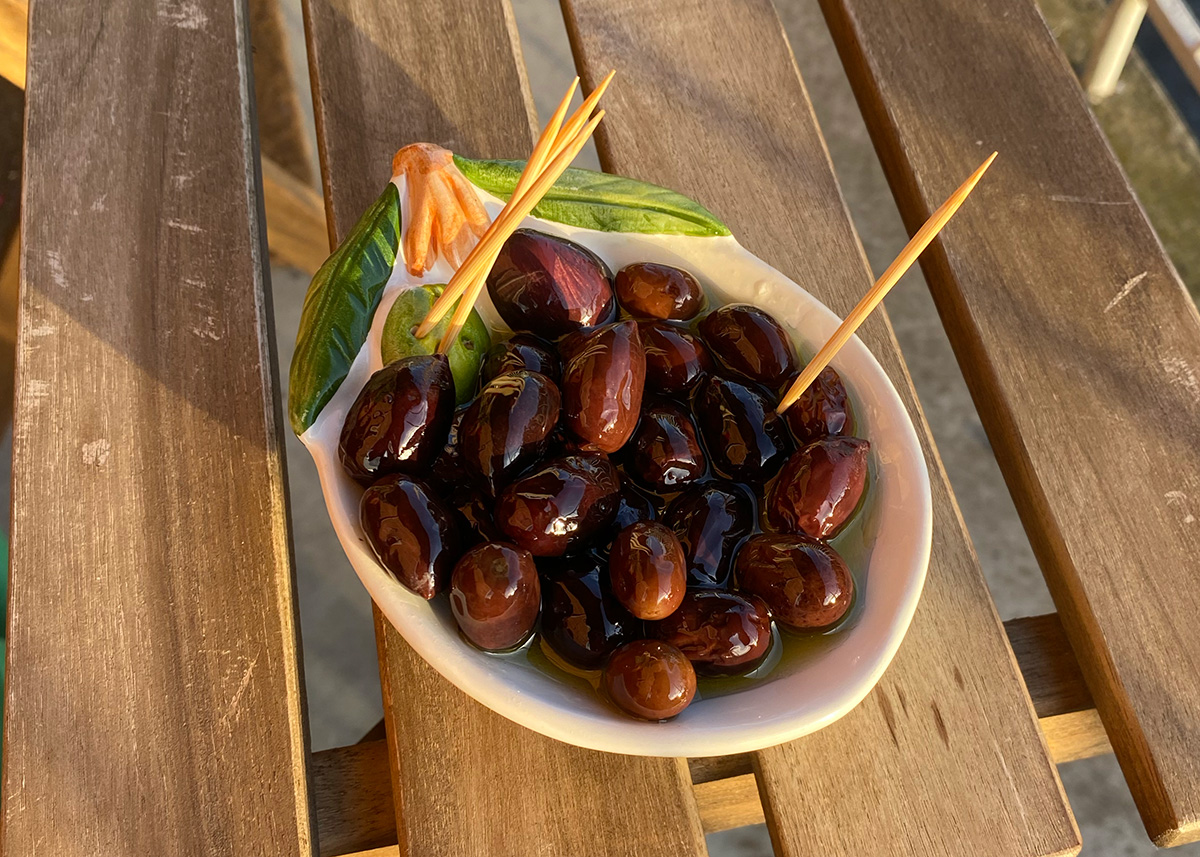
<point>618,482</point>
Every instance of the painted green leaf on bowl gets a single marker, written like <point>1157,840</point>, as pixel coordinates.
<point>607,203</point>
<point>338,309</point>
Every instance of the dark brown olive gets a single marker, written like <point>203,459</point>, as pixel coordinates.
<point>823,410</point>
<point>550,286</point>
<point>561,505</point>
<point>399,422</point>
<point>721,633</point>
<point>522,351</point>
<point>750,342</point>
<point>475,522</point>
<point>447,471</point>
<point>649,290</point>
<point>709,521</point>
<point>650,679</point>
<point>666,450</point>
<point>819,487</point>
<point>495,596</point>
<point>508,427</point>
<point>581,620</point>
<point>411,531</point>
<point>805,582</point>
<point>632,506</point>
<point>746,439</point>
<point>647,570</point>
<point>602,386</point>
<point>675,358</point>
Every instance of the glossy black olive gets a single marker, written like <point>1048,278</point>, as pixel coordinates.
<point>650,679</point>
<point>495,596</point>
<point>447,472</point>
<point>819,487</point>
<point>399,422</point>
<point>666,452</point>
<point>632,506</point>
<point>805,582</point>
<point>522,351</point>
<point>508,427</point>
<point>650,290</point>
<point>721,633</point>
<point>412,533</point>
<point>561,505</point>
<point>745,438</point>
<point>709,521</point>
<point>550,286</point>
<point>581,620</point>
<point>823,410</point>
<point>675,357</point>
<point>603,385</point>
<point>748,341</point>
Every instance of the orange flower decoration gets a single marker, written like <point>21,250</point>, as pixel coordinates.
<point>446,217</point>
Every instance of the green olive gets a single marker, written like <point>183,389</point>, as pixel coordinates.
<point>467,352</point>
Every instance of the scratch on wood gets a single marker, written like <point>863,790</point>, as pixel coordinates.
<point>889,716</point>
<point>185,15</point>
<point>232,711</point>
<point>36,389</point>
<point>903,700</point>
<point>940,723</point>
<point>1178,498</point>
<point>1083,200</point>
<point>41,328</point>
<point>1179,372</point>
<point>57,272</point>
<point>96,452</point>
<point>207,329</point>
<point>1012,784</point>
<point>183,227</point>
<point>1129,286</point>
<point>958,679</point>
<point>98,204</point>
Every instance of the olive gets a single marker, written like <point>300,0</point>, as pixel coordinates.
<point>400,420</point>
<point>550,286</point>
<point>475,522</point>
<point>495,596</point>
<point>411,531</point>
<point>650,290</point>
<point>508,427</point>
<point>721,632</point>
<point>561,505</point>
<point>447,471</point>
<point>522,351</point>
<point>805,582</point>
<point>666,451</point>
<point>819,487</point>
<point>709,521</point>
<point>650,679</point>
<point>823,410</point>
<point>648,570</point>
<point>398,338</point>
<point>750,342</point>
<point>675,357</point>
<point>602,386</point>
<point>632,506</point>
<point>746,440</point>
<point>582,622</point>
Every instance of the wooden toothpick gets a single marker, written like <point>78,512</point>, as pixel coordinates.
<point>882,286</point>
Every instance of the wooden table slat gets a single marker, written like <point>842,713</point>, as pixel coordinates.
<point>1079,344</point>
<point>154,695</point>
<point>466,780</point>
<point>944,756</point>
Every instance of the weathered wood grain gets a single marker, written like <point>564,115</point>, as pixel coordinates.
<point>154,696</point>
<point>945,752</point>
<point>1078,342</point>
<point>296,231</point>
<point>467,781</point>
<point>281,131</point>
<point>352,798</point>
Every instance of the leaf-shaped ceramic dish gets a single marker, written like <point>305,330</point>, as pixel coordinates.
<point>622,221</point>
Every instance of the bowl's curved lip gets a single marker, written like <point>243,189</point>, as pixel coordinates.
<point>834,686</point>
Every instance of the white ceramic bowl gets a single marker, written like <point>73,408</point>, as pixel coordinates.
<point>886,546</point>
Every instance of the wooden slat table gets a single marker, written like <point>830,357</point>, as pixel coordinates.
<point>154,699</point>
<point>154,693</point>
